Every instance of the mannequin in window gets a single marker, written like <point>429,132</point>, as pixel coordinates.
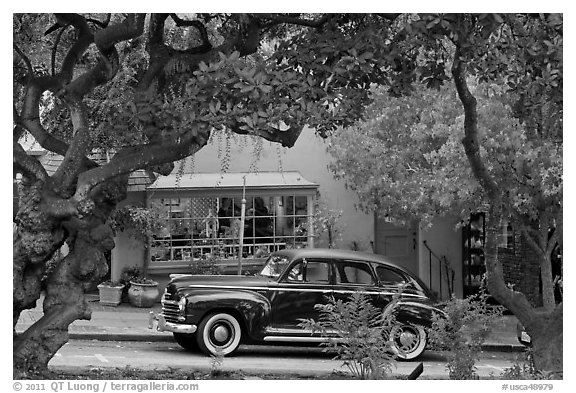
<point>211,225</point>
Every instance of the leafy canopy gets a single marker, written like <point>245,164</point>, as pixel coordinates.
<point>406,159</point>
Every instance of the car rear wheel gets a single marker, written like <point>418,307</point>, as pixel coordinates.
<point>219,334</point>
<point>186,341</point>
<point>409,340</point>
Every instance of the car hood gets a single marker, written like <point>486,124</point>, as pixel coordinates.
<point>224,281</point>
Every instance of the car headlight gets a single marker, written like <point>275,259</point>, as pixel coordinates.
<point>182,308</point>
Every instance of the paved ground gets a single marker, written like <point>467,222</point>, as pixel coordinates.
<point>250,359</point>
<point>127,323</point>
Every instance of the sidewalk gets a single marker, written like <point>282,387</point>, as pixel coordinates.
<point>128,323</point>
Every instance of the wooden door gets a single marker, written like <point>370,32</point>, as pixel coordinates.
<point>400,244</point>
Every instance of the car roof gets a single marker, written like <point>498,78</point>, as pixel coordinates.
<point>294,253</point>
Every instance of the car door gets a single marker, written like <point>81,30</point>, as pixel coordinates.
<point>358,276</point>
<point>306,283</point>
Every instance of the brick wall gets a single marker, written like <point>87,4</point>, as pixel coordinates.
<point>521,268</point>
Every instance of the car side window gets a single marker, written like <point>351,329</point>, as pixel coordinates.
<point>310,272</point>
<point>317,272</point>
<point>350,272</point>
<point>388,276</point>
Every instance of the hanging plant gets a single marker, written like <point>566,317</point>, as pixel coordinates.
<point>139,222</point>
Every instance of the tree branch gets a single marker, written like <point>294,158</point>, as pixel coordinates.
<point>138,157</point>
<point>25,59</point>
<point>81,145</point>
<point>28,165</point>
<point>206,45</point>
<point>470,140</point>
<point>286,138</point>
<point>85,38</point>
<point>280,18</point>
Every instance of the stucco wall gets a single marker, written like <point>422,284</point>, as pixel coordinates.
<point>310,158</point>
<point>128,251</point>
<point>444,240</point>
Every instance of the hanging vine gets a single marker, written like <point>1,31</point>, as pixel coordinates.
<point>257,149</point>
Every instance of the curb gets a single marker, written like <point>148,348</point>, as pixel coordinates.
<point>120,337</point>
<point>503,348</point>
<point>490,347</point>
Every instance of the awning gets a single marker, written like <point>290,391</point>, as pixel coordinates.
<point>232,183</point>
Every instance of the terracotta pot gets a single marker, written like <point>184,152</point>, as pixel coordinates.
<point>143,295</point>
<point>110,296</point>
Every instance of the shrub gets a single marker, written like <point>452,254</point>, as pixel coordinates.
<point>134,274</point>
<point>361,335</point>
<point>205,266</point>
<point>525,370</point>
<point>462,333</point>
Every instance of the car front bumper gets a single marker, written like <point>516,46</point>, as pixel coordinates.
<point>164,326</point>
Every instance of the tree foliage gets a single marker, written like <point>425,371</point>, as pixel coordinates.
<point>406,160</point>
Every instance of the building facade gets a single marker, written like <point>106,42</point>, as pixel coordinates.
<point>278,192</point>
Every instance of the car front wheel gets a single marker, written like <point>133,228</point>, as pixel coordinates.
<point>409,340</point>
<point>219,334</point>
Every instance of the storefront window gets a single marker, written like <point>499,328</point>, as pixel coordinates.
<point>200,227</point>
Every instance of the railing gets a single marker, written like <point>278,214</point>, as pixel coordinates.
<point>442,261</point>
<point>220,248</point>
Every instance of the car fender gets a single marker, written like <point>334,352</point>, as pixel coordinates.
<point>252,307</point>
<point>415,312</point>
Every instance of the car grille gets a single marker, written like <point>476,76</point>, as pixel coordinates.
<point>169,308</point>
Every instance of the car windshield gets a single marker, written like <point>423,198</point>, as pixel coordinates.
<point>274,266</point>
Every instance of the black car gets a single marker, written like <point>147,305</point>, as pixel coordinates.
<point>217,313</point>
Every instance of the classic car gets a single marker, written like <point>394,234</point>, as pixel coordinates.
<point>217,313</point>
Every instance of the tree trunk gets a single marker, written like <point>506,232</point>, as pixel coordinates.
<point>89,238</point>
<point>37,237</point>
<point>547,346</point>
<point>547,341</point>
<point>544,327</point>
<point>63,304</point>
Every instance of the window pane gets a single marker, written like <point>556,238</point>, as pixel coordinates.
<point>388,276</point>
<point>317,272</point>
<point>349,272</point>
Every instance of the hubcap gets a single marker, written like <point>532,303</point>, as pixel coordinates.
<point>407,339</point>
<point>221,334</point>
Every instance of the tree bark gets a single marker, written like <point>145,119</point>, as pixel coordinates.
<point>37,237</point>
<point>89,238</point>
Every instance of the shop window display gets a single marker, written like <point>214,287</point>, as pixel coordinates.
<point>202,227</point>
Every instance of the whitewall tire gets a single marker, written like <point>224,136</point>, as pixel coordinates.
<point>219,334</point>
<point>408,340</point>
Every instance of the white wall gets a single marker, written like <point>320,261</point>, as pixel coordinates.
<point>128,251</point>
<point>310,158</point>
<point>445,240</point>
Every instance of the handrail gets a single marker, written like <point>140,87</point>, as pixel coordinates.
<point>440,260</point>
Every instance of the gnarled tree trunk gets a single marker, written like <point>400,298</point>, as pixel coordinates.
<point>64,283</point>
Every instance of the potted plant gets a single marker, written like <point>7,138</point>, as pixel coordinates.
<point>142,291</point>
<point>110,292</point>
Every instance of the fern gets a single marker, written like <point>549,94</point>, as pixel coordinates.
<point>358,334</point>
